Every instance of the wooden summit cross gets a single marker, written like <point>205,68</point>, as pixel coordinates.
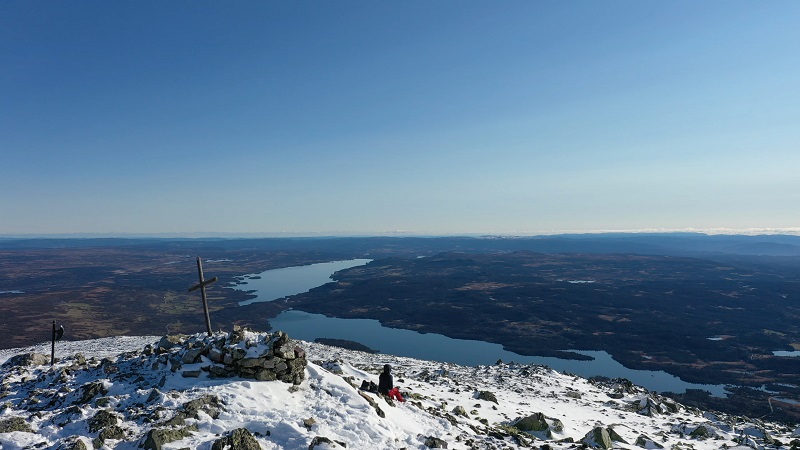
<point>202,286</point>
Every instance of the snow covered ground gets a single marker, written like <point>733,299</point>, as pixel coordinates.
<point>461,407</point>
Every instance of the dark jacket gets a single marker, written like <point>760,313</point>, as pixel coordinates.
<point>385,381</point>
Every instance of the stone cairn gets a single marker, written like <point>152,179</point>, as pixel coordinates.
<point>241,353</point>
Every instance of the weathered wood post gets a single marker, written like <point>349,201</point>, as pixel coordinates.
<point>202,286</point>
<point>57,335</point>
<point>53,345</point>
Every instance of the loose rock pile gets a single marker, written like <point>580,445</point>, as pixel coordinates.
<point>241,353</point>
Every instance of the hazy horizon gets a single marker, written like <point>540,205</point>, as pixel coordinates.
<point>234,235</point>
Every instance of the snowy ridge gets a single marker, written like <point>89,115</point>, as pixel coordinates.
<point>124,401</point>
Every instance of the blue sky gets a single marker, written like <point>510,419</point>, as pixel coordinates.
<point>414,116</point>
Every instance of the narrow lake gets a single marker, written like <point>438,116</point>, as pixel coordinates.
<point>279,283</point>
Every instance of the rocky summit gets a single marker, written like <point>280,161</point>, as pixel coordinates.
<point>244,390</point>
<point>241,354</point>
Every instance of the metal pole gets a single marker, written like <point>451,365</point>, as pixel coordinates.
<point>203,293</point>
<point>53,346</point>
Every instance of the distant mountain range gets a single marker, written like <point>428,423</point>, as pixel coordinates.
<point>642,243</point>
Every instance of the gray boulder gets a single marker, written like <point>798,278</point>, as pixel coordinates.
<point>217,371</point>
<point>539,425</point>
<point>72,443</point>
<point>534,422</point>
<point>169,342</point>
<point>601,437</point>
<point>574,394</point>
<point>90,391</point>
<point>236,353</point>
<point>434,442</point>
<point>670,406</point>
<point>700,432</point>
<point>488,396</point>
<point>15,424</point>
<point>102,420</point>
<point>238,439</point>
<point>112,432</point>
<point>265,375</point>
<point>215,354</point>
<point>155,394</point>
<point>209,404</point>
<point>157,437</point>
<point>650,406</point>
<point>756,432</point>
<point>460,411</point>
<point>191,355</point>
<point>27,359</point>
<point>645,442</point>
<point>251,362</point>
<point>614,436</point>
<point>323,440</point>
<point>696,431</point>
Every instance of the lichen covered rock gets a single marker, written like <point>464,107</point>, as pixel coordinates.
<point>15,424</point>
<point>238,439</point>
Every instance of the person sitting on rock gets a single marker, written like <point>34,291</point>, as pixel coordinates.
<point>386,384</point>
<point>394,394</point>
